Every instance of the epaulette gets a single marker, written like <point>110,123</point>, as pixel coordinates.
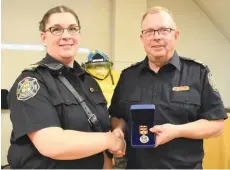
<point>31,67</point>
<point>133,65</point>
<point>195,60</point>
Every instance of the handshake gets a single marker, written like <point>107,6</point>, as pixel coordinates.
<point>116,143</point>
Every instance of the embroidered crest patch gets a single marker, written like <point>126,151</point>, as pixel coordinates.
<point>27,88</point>
<point>212,82</point>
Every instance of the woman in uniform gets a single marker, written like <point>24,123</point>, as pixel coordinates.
<point>52,126</point>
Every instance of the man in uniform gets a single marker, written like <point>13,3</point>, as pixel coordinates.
<point>188,105</point>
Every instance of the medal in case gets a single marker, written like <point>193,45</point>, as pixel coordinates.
<point>143,131</point>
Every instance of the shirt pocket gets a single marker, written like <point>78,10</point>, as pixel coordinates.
<point>130,98</point>
<point>71,113</point>
<point>185,105</point>
<point>187,98</point>
<point>97,96</point>
<point>133,95</point>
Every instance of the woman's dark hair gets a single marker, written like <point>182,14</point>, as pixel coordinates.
<point>58,9</point>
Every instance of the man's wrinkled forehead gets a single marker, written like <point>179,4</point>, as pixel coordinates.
<point>157,20</point>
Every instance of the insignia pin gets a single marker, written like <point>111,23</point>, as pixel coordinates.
<point>91,89</point>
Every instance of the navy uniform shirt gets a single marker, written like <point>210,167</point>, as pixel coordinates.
<point>33,107</point>
<point>182,91</point>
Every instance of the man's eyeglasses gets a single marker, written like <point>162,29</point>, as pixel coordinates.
<point>59,30</point>
<point>162,31</point>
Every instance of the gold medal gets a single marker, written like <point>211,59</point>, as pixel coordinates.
<point>143,131</point>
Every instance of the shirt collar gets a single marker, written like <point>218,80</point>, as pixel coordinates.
<point>77,69</point>
<point>175,61</point>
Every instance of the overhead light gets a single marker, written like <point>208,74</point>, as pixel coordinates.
<point>26,47</point>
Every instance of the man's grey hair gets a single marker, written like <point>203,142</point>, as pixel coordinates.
<point>157,9</point>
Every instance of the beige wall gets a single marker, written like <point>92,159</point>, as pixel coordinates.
<point>127,48</point>
<point>112,26</point>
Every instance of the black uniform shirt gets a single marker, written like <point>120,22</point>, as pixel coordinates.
<point>40,107</point>
<point>138,84</point>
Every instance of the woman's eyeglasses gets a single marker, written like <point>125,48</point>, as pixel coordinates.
<point>59,30</point>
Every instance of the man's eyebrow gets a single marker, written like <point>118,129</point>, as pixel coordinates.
<point>158,28</point>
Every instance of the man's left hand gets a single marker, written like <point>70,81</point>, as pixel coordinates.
<point>107,162</point>
<point>165,133</point>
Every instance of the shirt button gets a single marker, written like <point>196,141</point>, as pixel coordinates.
<point>187,99</point>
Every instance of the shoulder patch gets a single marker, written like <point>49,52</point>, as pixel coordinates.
<point>133,65</point>
<point>200,62</point>
<point>195,60</point>
<point>27,88</point>
<point>31,67</point>
<point>212,82</point>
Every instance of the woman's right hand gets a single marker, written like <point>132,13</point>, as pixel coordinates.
<point>116,145</point>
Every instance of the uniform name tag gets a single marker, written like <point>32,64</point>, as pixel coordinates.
<point>181,88</point>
